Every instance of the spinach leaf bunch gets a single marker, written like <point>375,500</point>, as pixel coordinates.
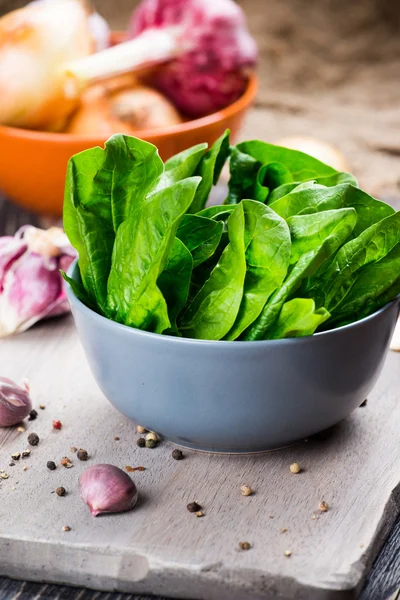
<point>296,247</point>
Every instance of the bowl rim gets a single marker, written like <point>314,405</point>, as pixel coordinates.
<point>73,299</point>
<point>238,106</point>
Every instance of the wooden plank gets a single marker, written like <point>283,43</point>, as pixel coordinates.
<point>161,548</point>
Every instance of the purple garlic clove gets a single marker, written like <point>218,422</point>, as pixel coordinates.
<point>31,286</point>
<point>15,402</point>
<point>107,489</point>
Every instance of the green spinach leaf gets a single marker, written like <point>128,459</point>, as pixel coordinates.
<point>213,311</point>
<point>141,249</point>
<point>200,235</point>
<point>174,280</point>
<point>267,245</point>
<point>209,169</point>
<point>298,318</point>
<point>181,165</point>
<point>337,231</point>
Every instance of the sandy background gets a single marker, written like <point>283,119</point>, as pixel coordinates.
<point>328,68</point>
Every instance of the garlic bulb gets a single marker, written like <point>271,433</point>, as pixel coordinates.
<point>31,286</point>
<point>15,402</point>
<point>107,489</point>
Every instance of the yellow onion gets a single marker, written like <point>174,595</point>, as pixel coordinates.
<point>35,42</point>
<point>316,148</point>
<point>105,111</point>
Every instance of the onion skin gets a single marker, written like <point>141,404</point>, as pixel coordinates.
<point>15,402</point>
<point>107,489</point>
<point>105,111</point>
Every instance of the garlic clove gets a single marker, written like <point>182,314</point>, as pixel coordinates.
<point>107,489</point>
<point>15,402</point>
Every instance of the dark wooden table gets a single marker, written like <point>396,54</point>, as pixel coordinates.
<point>383,582</point>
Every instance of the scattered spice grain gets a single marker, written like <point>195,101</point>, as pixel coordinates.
<point>129,469</point>
<point>152,436</point>
<point>57,424</point>
<point>60,491</point>
<point>287,553</point>
<point>295,468</point>
<point>283,530</point>
<point>150,443</point>
<point>26,453</point>
<point>140,429</point>
<point>246,490</point>
<point>74,449</point>
<point>11,464</point>
<point>364,403</point>
<point>141,442</point>
<point>42,406</point>
<point>21,429</point>
<point>32,415</point>
<point>116,438</point>
<point>3,476</point>
<point>82,454</point>
<point>177,454</point>
<point>33,439</point>
<point>199,513</point>
<point>25,468</point>
<point>51,465</point>
<point>16,455</point>
<point>66,528</point>
<point>193,507</point>
<point>244,545</point>
<point>65,461</point>
<point>323,506</point>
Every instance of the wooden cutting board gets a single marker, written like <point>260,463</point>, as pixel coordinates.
<point>160,547</point>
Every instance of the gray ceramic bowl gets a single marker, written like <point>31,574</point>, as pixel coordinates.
<point>235,396</point>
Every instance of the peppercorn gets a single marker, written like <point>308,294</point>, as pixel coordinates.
<point>51,465</point>
<point>32,415</point>
<point>244,545</point>
<point>82,454</point>
<point>16,455</point>
<point>33,439</point>
<point>150,443</point>
<point>246,490</point>
<point>57,424</point>
<point>177,454</point>
<point>141,442</point>
<point>193,507</point>
<point>26,453</point>
<point>60,491</point>
<point>295,468</point>
<point>323,506</point>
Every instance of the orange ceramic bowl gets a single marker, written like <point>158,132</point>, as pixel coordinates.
<point>33,163</point>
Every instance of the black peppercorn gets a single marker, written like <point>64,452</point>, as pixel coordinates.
<point>51,465</point>
<point>60,491</point>
<point>32,415</point>
<point>141,442</point>
<point>33,439</point>
<point>193,507</point>
<point>177,454</point>
<point>82,454</point>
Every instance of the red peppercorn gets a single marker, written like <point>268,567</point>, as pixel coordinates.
<point>57,424</point>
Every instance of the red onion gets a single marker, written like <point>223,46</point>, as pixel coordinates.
<point>211,71</point>
<point>107,489</point>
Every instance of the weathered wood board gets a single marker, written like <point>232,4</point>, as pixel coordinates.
<point>160,547</point>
